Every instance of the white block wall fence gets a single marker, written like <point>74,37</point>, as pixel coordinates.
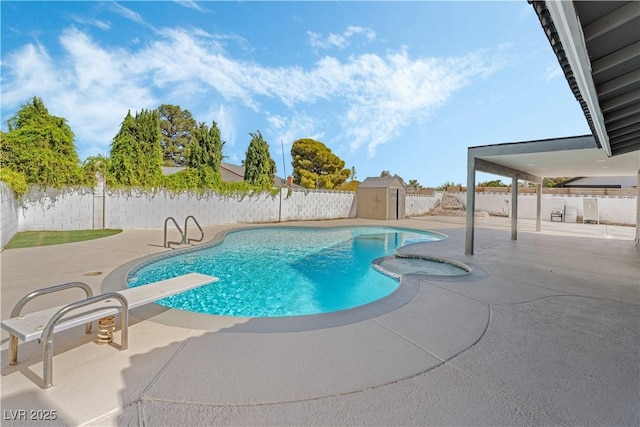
<point>85,208</point>
<point>8,214</point>
<point>618,210</point>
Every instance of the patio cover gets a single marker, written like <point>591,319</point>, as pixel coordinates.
<point>597,44</point>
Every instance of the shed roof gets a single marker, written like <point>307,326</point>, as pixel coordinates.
<point>381,182</point>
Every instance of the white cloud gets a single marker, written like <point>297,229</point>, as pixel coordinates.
<point>103,25</point>
<point>126,13</point>
<point>190,4</point>
<point>551,72</point>
<point>288,129</point>
<point>226,123</point>
<point>373,97</point>
<point>340,41</point>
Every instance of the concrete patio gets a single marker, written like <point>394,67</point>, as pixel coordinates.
<point>549,334</point>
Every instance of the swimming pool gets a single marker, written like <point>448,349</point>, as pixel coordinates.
<point>284,271</point>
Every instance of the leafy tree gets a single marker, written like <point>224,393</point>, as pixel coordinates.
<point>176,126</point>
<point>554,182</point>
<point>446,184</point>
<point>15,181</point>
<point>414,184</point>
<point>349,185</point>
<point>205,147</point>
<point>259,167</point>
<point>385,174</point>
<point>315,166</point>
<point>136,154</point>
<point>41,147</point>
<point>494,183</point>
<point>95,165</point>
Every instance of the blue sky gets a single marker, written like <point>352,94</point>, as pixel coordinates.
<point>398,86</point>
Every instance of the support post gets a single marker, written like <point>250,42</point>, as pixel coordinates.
<point>99,202</point>
<point>514,208</point>
<point>538,204</point>
<point>471,204</point>
<point>638,211</point>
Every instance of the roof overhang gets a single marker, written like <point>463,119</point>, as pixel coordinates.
<point>534,160</point>
<point>598,47</point>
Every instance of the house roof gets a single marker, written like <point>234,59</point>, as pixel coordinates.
<point>235,173</point>
<point>597,44</point>
<point>232,171</point>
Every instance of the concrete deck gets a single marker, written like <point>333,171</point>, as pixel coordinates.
<point>549,335</point>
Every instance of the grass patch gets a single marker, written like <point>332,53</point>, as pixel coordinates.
<point>29,239</point>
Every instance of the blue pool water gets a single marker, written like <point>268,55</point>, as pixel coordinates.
<point>274,272</point>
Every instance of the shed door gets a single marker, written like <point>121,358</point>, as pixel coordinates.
<point>393,203</point>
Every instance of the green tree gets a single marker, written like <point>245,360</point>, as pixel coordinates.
<point>94,166</point>
<point>205,147</point>
<point>136,154</point>
<point>554,182</point>
<point>176,126</point>
<point>447,184</point>
<point>259,167</point>
<point>494,183</point>
<point>315,166</point>
<point>385,174</point>
<point>41,147</point>
<point>414,184</point>
<point>353,176</point>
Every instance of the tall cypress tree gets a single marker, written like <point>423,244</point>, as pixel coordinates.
<point>205,147</point>
<point>259,167</point>
<point>126,154</point>
<point>136,154</point>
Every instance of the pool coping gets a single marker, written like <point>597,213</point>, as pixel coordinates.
<point>405,292</point>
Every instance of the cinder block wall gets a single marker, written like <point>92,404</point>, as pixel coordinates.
<point>612,209</point>
<point>73,209</point>
<point>300,205</point>
<point>145,209</point>
<point>420,204</point>
<point>52,209</point>
<point>9,208</point>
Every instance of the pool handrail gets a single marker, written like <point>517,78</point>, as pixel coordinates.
<point>195,221</point>
<point>167,244</point>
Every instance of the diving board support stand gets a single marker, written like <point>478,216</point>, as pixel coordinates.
<point>47,333</point>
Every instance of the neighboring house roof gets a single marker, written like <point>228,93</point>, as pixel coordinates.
<point>601,182</point>
<point>382,182</point>
<point>235,173</point>
<point>229,173</point>
<point>170,170</point>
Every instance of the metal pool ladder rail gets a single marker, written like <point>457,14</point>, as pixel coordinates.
<point>183,234</point>
<point>195,221</point>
